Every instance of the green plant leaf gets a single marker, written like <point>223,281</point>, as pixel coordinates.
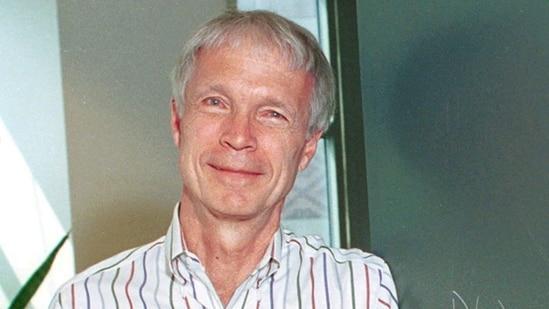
<point>27,291</point>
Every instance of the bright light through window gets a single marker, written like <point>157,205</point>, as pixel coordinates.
<point>34,194</point>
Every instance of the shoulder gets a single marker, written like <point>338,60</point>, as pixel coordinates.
<point>120,260</point>
<point>314,247</point>
<point>349,267</point>
<point>109,267</point>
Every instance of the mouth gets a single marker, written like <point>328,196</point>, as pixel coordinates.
<point>235,171</point>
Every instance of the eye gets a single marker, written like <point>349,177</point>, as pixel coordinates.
<point>213,105</point>
<point>213,101</point>
<point>275,114</point>
<point>274,118</point>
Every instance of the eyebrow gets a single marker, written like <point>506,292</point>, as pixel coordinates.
<point>269,101</point>
<point>216,88</point>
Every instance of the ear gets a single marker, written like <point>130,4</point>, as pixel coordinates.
<point>309,150</point>
<point>175,122</point>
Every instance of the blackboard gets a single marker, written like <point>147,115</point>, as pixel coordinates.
<point>456,106</point>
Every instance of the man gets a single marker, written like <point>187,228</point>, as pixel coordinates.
<point>252,96</point>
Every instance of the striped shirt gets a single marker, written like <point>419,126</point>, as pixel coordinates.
<point>295,272</point>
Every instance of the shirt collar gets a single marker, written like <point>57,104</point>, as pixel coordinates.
<point>174,243</point>
<point>176,249</point>
<point>177,252</point>
<point>270,263</point>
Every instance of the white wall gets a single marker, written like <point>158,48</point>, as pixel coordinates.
<point>34,186</point>
<point>116,58</point>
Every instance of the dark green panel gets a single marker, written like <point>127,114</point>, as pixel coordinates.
<point>456,106</point>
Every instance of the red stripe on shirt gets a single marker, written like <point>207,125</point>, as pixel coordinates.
<point>73,301</point>
<point>384,303</point>
<point>128,284</point>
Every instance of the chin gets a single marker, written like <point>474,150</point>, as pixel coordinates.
<point>238,210</point>
<point>234,215</point>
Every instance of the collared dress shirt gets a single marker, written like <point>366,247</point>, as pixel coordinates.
<point>295,272</point>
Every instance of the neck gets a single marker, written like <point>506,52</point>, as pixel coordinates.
<point>229,248</point>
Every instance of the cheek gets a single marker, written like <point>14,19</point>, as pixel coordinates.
<point>196,137</point>
<point>197,131</point>
<point>285,154</point>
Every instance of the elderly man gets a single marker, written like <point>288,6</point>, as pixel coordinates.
<point>253,94</point>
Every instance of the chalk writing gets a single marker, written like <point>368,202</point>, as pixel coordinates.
<point>461,302</point>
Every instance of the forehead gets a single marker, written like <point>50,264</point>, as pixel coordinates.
<point>244,48</point>
<point>254,65</point>
<point>254,40</point>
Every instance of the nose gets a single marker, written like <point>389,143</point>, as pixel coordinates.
<point>238,134</point>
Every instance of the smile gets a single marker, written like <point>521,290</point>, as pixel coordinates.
<point>235,171</point>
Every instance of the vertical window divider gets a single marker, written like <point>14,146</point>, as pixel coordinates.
<point>348,131</point>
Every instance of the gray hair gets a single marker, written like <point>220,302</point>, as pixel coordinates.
<point>294,42</point>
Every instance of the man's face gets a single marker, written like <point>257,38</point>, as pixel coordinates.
<point>243,135</point>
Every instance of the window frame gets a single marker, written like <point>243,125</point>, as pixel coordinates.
<point>347,132</point>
